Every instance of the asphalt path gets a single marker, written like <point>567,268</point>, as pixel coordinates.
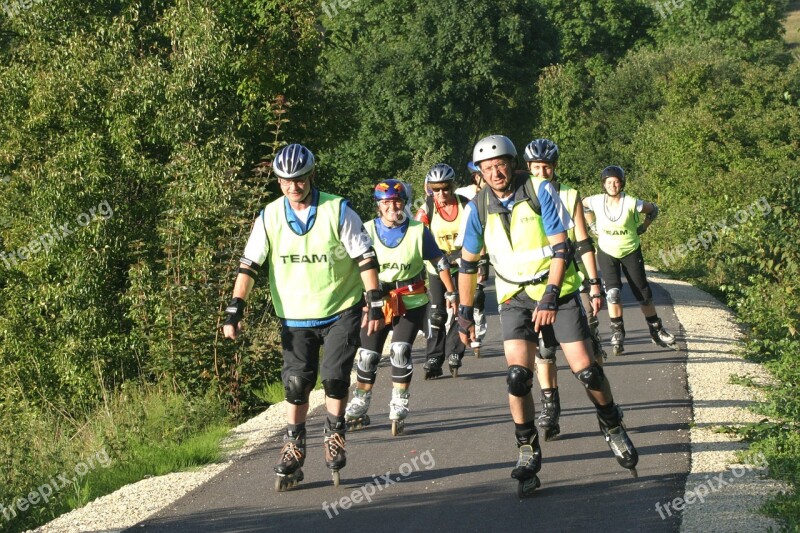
<point>450,470</point>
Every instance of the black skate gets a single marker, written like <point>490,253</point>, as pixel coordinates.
<point>618,441</point>
<point>551,411</point>
<point>455,363</point>
<point>597,343</point>
<point>335,456</point>
<point>289,469</point>
<point>528,465</point>
<point>617,338</point>
<point>433,367</point>
<point>661,336</point>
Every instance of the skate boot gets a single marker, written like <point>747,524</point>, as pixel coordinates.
<point>528,465</point>
<point>617,338</point>
<point>480,320</point>
<point>597,344</point>
<point>293,455</point>
<point>355,415</point>
<point>433,367</point>
<point>454,361</point>
<point>335,456</point>
<point>661,336</point>
<point>617,439</point>
<point>551,410</point>
<point>398,410</point>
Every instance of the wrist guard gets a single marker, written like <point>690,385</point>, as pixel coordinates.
<point>483,266</point>
<point>235,312</point>
<point>374,304</point>
<point>641,229</point>
<point>651,216</point>
<point>451,296</point>
<point>466,318</point>
<point>594,281</point>
<point>549,301</point>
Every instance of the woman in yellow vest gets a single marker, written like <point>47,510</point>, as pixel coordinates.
<point>542,158</point>
<point>619,224</point>
<point>522,223</point>
<point>442,214</point>
<point>402,246</point>
<point>320,261</point>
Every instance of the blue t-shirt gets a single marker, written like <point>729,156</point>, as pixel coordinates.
<point>555,217</point>
<point>391,237</point>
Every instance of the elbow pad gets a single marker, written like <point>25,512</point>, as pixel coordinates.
<point>584,246</point>
<point>370,256</point>
<point>468,267</point>
<point>250,270</point>
<point>563,250</point>
<point>651,216</point>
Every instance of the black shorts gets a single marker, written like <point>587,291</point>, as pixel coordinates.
<point>338,341</point>
<point>571,324</point>
<point>404,329</point>
<point>633,267</point>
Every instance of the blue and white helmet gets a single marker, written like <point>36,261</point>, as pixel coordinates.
<point>293,161</point>
<point>473,168</point>
<point>440,173</point>
<point>542,150</point>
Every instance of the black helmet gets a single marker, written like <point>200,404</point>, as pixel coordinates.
<point>543,150</point>
<point>612,172</point>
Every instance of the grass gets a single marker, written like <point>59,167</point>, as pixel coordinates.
<point>141,432</point>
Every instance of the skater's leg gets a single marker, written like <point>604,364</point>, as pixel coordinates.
<point>633,266</point>
<point>437,319</point>
<point>547,376</point>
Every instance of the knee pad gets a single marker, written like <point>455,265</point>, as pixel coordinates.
<point>438,318</point>
<point>336,388</point>
<point>547,354</point>
<point>368,361</point>
<point>297,390</point>
<point>613,296</point>
<point>518,378</point>
<point>480,298</point>
<point>592,377</point>
<point>400,354</point>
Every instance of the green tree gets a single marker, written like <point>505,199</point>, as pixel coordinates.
<point>410,76</point>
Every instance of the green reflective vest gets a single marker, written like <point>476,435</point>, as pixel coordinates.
<point>402,262</point>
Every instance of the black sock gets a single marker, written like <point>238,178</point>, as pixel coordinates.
<point>651,319</point>
<point>293,429</point>
<point>526,432</point>
<point>617,320</point>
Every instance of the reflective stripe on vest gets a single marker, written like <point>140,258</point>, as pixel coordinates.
<point>310,275</point>
<point>528,258</point>
<point>404,261</point>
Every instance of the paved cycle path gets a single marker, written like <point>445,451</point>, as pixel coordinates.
<point>450,470</point>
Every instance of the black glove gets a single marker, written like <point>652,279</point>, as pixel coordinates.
<point>235,312</point>
<point>466,318</point>
<point>375,305</point>
<point>549,302</point>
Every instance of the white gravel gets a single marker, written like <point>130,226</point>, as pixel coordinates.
<point>729,503</point>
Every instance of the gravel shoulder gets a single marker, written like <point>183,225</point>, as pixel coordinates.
<point>731,492</point>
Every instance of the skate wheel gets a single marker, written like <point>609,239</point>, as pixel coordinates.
<point>477,353</point>
<point>526,488</point>
<point>397,428</point>
<point>617,350</point>
<point>279,484</point>
<point>454,371</point>
<point>552,433</point>
<point>634,473</point>
<point>335,474</point>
